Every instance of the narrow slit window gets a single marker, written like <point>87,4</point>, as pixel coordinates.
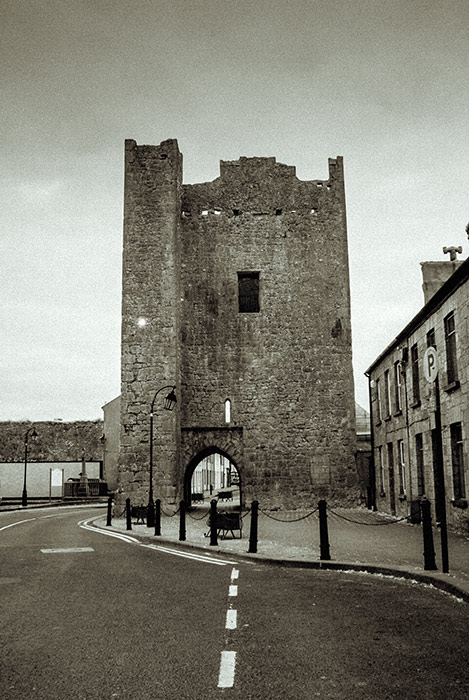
<point>227,411</point>
<point>248,292</point>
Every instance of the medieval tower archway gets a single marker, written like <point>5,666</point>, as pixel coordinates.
<point>236,292</point>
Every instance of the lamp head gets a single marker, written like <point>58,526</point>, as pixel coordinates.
<point>170,400</point>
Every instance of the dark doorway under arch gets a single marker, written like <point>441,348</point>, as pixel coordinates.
<point>212,472</point>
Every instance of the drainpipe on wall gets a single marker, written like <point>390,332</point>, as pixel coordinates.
<point>372,471</point>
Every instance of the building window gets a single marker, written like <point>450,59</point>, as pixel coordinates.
<point>248,292</point>
<point>378,401</point>
<point>457,460</point>
<point>397,386</point>
<point>402,475</point>
<point>414,357</point>
<point>392,496</point>
<point>387,394</point>
<point>227,411</point>
<point>450,340</point>
<point>381,471</point>
<point>431,339</point>
<point>420,464</point>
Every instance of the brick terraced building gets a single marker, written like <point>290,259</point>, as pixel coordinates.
<point>236,292</point>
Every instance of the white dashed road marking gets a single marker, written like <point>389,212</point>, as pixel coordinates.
<point>231,619</point>
<point>233,591</point>
<point>67,550</point>
<point>227,669</point>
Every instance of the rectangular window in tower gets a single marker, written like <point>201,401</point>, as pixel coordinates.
<point>420,464</point>
<point>248,292</point>
<point>414,356</point>
<point>450,340</point>
<point>457,460</point>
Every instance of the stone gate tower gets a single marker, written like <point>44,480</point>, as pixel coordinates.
<point>236,290</point>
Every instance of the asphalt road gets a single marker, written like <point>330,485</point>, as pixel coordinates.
<point>109,618</point>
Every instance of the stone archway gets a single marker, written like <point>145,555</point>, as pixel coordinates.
<point>198,443</point>
<point>198,460</point>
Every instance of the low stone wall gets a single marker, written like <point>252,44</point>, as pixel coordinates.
<point>55,441</point>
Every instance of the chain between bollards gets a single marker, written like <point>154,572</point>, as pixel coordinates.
<point>325,553</point>
<point>182,521</point>
<point>253,529</point>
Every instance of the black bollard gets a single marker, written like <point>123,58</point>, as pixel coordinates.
<point>109,511</point>
<point>157,517</point>
<point>428,548</point>
<point>127,514</point>
<point>213,523</point>
<point>151,514</point>
<point>182,521</point>
<point>325,553</point>
<point>253,529</point>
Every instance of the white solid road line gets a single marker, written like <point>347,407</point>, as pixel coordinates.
<point>18,522</point>
<point>227,669</point>
<point>188,555</point>
<point>231,619</point>
<point>132,540</point>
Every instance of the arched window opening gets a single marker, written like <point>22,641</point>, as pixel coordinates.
<point>227,411</point>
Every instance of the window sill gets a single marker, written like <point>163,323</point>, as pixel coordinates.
<point>416,404</point>
<point>452,386</point>
<point>388,418</point>
<point>378,424</point>
<point>459,503</point>
<point>397,413</point>
<point>403,497</point>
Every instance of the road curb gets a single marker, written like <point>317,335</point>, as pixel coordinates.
<point>436,580</point>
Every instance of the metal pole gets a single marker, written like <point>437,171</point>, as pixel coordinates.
<point>182,521</point>
<point>440,495</point>
<point>213,523</point>
<point>428,549</point>
<point>157,517</point>
<point>109,512</point>
<point>253,529</point>
<point>128,519</point>
<point>150,511</point>
<point>24,499</point>
<point>323,532</point>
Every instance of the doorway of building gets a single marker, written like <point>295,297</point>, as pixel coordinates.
<point>213,475</point>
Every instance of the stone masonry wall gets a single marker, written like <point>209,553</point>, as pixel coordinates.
<point>55,442</point>
<point>286,370</point>
<point>150,315</point>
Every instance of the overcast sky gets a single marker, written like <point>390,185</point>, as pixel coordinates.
<point>383,83</point>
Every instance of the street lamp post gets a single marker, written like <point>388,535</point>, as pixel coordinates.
<point>168,404</point>
<point>24,499</point>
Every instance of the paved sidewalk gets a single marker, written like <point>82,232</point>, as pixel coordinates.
<point>359,539</point>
